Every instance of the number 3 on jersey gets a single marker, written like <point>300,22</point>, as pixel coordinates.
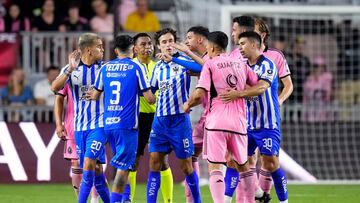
<point>115,92</point>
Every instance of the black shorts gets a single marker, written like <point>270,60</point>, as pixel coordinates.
<point>145,122</point>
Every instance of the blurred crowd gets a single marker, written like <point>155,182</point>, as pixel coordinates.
<point>316,81</point>
<point>67,15</point>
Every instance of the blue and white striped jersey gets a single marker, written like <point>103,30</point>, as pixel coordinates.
<point>88,115</point>
<point>173,84</point>
<point>122,80</point>
<point>263,110</point>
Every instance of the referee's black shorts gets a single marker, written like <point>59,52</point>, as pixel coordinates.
<point>145,122</point>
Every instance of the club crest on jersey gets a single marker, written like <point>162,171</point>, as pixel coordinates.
<point>231,80</point>
<point>176,69</point>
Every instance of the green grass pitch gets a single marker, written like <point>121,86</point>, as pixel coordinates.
<point>60,193</point>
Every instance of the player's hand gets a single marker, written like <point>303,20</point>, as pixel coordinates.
<point>60,132</point>
<point>229,95</point>
<point>187,107</point>
<point>88,94</point>
<point>74,60</point>
<point>164,57</point>
<point>181,47</point>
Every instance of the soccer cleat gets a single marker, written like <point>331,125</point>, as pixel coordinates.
<point>263,199</point>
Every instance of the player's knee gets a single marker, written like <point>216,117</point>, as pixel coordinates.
<point>252,161</point>
<point>155,163</point>
<point>89,164</point>
<point>186,166</point>
<point>75,163</point>
<point>243,167</point>
<point>270,163</point>
<point>119,183</point>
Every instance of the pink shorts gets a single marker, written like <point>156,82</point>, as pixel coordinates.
<point>204,149</point>
<point>198,132</point>
<point>220,143</point>
<point>70,150</point>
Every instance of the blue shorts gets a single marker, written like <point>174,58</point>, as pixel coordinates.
<point>268,141</point>
<point>91,144</point>
<point>172,133</point>
<point>125,144</point>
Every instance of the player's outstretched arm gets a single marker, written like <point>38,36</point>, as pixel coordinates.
<point>183,48</point>
<point>149,96</point>
<point>195,99</point>
<point>58,112</point>
<point>287,90</point>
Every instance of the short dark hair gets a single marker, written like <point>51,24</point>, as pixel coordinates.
<point>263,28</point>
<point>219,38</point>
<point>52,67</point>
<point>162,32</point>
<point>247,22</point>
<point>252,36</point>
<point>74,4</point>
<point>123,42</point>
<point>141,34</point>
<point>199,30</point>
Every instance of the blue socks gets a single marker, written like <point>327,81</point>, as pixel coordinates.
<point>280,184</point>
<point>193,182</point>
<point>116,197</point>
<point>126,194</point>
<point>231,181</point>
<point>153,186</point>
<point>101,188</point>
<point>86,185</point>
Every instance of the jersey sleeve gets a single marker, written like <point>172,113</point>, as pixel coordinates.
<point>268,71</point>
<point>205,77</point>
<point>64,91</point>
<point>141,77</point>
<point>251,77</point>
<point>283,67</point>
<point>154,83</point>
<point>99,83</point>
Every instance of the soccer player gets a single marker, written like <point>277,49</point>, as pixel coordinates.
<point>219,73</point>
<point>263,112</point>
<point>265,180</point>
<point>80,74</point>
<point>144,49</point>
<point>240,24</point>
<point>171,128</point>
<point>195,47</point>
<point>65,131</point>
<point>122,80</point>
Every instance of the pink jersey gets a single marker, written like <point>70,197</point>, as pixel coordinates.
<point>279,59</point>
<point>218,74</point>
<point>69,114</point>
<point>236,54</point>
